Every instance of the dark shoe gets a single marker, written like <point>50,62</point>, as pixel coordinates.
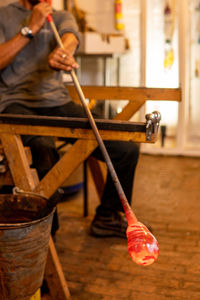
<point>114,225</point>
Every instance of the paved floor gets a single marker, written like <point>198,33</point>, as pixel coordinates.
<point>166,196</point>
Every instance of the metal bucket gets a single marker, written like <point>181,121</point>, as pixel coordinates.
<point>25,226</point>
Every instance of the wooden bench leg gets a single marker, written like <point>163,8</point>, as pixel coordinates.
<point>54,275</point>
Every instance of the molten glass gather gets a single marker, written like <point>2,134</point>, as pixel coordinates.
<point>142,245</point>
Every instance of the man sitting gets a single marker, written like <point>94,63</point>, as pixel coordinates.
<point>31,66</point>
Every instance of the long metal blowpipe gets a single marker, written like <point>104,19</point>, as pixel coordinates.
<point>131,218</point>
<point>142,245</point>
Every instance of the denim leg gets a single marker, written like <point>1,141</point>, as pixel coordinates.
<point>124,157</point>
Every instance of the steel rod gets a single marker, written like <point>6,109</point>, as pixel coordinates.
<point>131,218</point>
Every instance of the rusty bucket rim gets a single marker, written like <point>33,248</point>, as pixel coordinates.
<point>25,224</point>
<point>19,192</point>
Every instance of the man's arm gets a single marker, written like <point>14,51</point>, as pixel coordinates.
<point>63,59</point>
<point>11,48</point>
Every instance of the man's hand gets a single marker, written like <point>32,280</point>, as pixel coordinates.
<point>39,14</point>
<point>60,59</point>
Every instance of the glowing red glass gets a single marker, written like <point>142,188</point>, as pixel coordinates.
<point>142,245</point>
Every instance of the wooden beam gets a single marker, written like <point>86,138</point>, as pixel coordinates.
<point>53,277</point>
<point>17,161</point>
<point>135,133</point>
<point>65,166</point>
<point>129,110</point>
<point>127,93</point>
<point>71,123</point>
<point>84,134</point>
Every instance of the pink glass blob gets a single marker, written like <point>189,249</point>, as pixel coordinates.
<point>142,245</point>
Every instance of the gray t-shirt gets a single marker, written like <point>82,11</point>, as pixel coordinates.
<point>28,79</point>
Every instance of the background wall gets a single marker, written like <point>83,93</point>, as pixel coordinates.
<point>100,16</point>
<point>5,2</point>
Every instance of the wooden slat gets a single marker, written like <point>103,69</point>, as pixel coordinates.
<point>17,161</point>
<point>127,93</point>
<point>129,110</point>
<point>53,277</point>
<point>65,166</point>
<point>84,134</point>
<point>73,123</point>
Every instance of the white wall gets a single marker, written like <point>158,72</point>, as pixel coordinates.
<point>6,2</point>
<point>100,16</point>
<point>58,4</point>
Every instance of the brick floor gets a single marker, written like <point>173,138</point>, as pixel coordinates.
<point>166,196</point>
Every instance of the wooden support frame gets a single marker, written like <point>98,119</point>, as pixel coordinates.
<point>24,177</point>
<point>136,96</point>
<point>11,129</point>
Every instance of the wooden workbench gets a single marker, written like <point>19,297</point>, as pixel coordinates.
<point>24,177</point>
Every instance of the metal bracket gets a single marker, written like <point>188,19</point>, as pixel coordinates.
<point>152,124</point>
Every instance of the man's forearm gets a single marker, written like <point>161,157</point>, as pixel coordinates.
<point>70,42</point>
<point>10,49</point>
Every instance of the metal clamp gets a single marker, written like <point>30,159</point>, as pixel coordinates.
<point>152,124</point>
